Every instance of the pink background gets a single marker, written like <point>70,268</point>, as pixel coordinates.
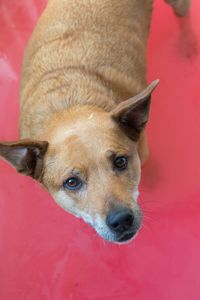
<point>45,253</point>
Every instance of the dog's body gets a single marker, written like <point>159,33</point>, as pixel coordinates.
<point>99,46</point>
<point>84,59</point>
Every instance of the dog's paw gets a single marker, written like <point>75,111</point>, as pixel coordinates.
<point>188,42</point>
<point>180,7</point>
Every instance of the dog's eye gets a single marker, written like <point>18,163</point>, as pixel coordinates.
<point>121,162</point>
<point>73,183</point>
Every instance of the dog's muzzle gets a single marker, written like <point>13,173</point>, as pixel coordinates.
<point>123,224</point>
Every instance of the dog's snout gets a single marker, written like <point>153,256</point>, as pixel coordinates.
<point>121,220</point>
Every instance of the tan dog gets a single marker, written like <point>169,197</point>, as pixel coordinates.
<point>80,136</point>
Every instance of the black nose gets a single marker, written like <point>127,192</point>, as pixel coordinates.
<point>120,220</point>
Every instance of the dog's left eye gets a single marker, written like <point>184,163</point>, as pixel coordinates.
<point>73,183</point>
<point>121,162</point>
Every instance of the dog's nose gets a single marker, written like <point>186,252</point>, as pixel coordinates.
<point>120,220</point>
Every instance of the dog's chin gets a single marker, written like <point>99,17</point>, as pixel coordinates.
<point>123,239</point>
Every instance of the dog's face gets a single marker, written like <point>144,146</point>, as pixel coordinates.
<point>92,169</point>
<point>90,164</point>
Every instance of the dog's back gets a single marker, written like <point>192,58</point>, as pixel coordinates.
<point>84,51</point>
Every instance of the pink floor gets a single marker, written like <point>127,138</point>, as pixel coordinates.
<point>46,253</point>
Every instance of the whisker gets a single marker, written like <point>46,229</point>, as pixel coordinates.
<point>145,227</point>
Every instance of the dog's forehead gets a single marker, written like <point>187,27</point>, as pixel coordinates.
<point>89,128</point>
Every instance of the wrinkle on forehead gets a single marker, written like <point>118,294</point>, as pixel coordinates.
<point>93,136</point>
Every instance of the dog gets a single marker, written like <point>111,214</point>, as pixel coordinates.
<point>84,106</point>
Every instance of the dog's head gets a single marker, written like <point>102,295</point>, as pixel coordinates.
<point>90,164</point>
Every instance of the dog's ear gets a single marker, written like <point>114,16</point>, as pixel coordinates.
<point>132,114</point>
<point>25,155</point>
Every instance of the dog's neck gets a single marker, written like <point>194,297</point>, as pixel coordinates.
<point>80,89</point>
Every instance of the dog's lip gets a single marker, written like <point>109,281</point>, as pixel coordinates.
<point>126,237</point>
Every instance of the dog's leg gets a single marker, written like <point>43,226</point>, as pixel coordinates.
<point>143,149</point>
<point>180,7</point>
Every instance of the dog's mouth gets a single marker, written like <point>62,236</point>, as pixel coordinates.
<point>126,237</point>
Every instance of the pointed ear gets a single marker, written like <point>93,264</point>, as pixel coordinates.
<point>132,114</point>
<point>25,155</point>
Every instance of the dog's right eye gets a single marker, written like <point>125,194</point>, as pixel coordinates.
<point>121,163</point>
<point>73,183</point>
